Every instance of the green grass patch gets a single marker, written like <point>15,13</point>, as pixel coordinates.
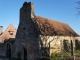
<point>77,52</point>
<point>60,56</point>
<point>55,56</point>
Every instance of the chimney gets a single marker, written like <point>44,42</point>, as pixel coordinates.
<point>1,30</point>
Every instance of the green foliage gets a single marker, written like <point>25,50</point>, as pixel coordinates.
<point>67,55</point>
<point>77,52</point>
<point>55,56</point>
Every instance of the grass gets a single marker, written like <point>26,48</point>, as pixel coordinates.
<point>57,56</point>
<point>77,52</point>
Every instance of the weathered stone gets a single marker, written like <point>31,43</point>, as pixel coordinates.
<point>28,32</point>
<point>28,45</point>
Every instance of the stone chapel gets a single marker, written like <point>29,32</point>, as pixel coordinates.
<point>28,42</point>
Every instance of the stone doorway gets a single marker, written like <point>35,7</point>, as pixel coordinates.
<point>25,53</point>
<point>66,45</point>
<point>77,44</point>
<point>8,50</point>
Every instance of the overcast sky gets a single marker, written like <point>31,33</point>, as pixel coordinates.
<point>60,10</point>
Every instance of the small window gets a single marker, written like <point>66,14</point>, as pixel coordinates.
<point>11,32</point>
<point>24,28</point>
<point>24,9</point>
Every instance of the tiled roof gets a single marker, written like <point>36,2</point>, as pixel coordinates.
<point>10,32</point>
<point>52,27</point>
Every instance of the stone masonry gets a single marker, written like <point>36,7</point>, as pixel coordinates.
<point>27,35</point>
<point>36,37</point>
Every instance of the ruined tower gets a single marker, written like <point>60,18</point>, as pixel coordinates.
<point>26,16</point>
<point>27,37</point>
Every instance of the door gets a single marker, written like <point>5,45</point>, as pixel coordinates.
<point>25,54</point>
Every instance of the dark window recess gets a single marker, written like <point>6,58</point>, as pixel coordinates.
<point>24,28</point>
<point>25,53</point>
<point>24,9</point>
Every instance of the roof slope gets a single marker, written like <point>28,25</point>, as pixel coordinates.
<point>6,34</point>
<point>52,27</point>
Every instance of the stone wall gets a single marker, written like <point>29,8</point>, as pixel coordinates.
<point>57,43</point>
<point>4,47</point>
<point>27,35</point>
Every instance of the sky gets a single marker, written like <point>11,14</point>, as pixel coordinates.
<point>61,10</point>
